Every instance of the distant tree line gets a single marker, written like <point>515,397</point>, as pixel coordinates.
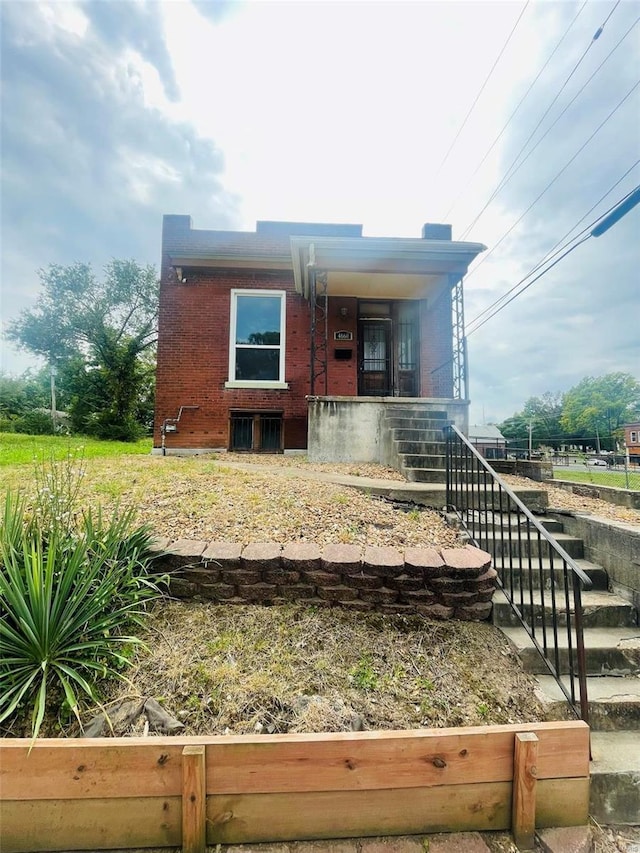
<point>590,414</point>
<point>98,337</point>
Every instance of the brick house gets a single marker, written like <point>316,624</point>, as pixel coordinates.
<point>298,335</point>
<point>632,441</point>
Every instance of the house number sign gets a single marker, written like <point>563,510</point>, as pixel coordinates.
<point>343,336</point>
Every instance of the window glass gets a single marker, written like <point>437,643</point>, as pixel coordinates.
<point>258,320</point>
<point>258,364</point>
<point>374,309</point>
<point>257,337</point>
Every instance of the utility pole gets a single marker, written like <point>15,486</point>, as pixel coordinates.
<point>597,442</point>
<point>530,434</point>
<point>54,409</point>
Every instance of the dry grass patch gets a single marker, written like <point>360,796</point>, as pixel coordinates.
<point>247,669</point>
<point>202,498</point>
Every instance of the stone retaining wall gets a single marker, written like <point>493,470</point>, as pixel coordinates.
<point>611,494</point>
<point>448,583</point>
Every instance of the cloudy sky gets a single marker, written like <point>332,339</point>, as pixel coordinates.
<point>117,111</point>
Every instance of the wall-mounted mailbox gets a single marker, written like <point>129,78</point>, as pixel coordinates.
<point>343,354</point>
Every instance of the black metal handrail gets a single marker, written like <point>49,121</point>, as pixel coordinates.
<point>497,521</point>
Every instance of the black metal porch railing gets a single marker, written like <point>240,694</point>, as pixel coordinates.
<point>540,580</point>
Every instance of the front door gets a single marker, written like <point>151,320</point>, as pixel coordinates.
<point>374,358</point>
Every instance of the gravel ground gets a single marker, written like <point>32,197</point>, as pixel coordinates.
<point>561,499</point>
<point>205,498</point>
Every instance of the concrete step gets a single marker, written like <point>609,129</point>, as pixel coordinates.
<point>417,412</point>
<point>402,432</point>
<point>508,542</point>
<point>513,521</point>
<point>608,651</point>
<point>615,777</point>
<point>536,500</point>
<point>417,423</point>
<point>428,447</point>
<point>510,567</point>
<point>425,475</point>
<point>423,460</point>
<point>614,703</point>
<point>600,609</point>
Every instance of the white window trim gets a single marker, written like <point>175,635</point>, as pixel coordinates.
<point>257,383</point>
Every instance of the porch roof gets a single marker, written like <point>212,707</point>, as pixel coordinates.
<point>370,267</point>
<point>412,264</point>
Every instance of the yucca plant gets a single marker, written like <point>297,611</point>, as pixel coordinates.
<point>67,600</point>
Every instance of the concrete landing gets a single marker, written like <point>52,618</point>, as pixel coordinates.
<point>614,703</point>
<point>424,494</point>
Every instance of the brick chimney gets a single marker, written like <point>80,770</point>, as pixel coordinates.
<point>436,231</point>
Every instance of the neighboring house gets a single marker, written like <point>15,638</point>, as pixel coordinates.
<point>632,441</point>
<point>299,335</point>
<point>488,441</point>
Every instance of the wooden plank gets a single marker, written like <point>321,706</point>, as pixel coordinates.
<point>434,758</point>
<point>562,802</point>
<point>156,822</point>
<point>133,767</point>
<point>254,818</point>
<point>90,824</point>
<point>96,768</point>
<point>248,818</point>
<point>194,800</point>
<point>523,806</point>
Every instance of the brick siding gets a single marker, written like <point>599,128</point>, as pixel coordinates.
<point>193,343</point>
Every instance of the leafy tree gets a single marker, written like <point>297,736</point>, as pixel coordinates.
<point>99,333</point>
<point>20,394</point>
<point>516,430</point>
<point>543,415</point>
<point>598,406</point>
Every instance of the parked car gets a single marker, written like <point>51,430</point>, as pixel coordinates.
<point>599,462</point>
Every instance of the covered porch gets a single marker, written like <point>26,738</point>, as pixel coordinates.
<point>386,338</point>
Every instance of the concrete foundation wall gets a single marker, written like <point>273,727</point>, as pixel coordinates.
<point>614,545</point>
<point>350,429</point>
<point>619,497</point>
<point>531,469</point>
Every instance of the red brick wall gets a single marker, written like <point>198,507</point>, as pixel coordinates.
<point>193,349</point>
<point>193,358</point>
<point>343,374</point>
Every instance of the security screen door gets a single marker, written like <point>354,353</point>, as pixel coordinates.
<point>374,375</point>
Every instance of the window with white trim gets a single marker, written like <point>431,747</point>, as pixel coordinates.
<point>634,437</point>
<point>256,346</point>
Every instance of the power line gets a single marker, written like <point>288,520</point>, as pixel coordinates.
<point>476,325</point>
<point>553,180</point>
<point>503,180</point>
<point>633,195</point>
<point>527,286</point>
<point>512,171</point>
<point>509,120</point>
<point>482,88</point>
<point>552,251</point>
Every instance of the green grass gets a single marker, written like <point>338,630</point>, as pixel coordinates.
<point>18,449</point>
<point>615,479</point>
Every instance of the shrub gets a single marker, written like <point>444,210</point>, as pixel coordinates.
<point>34,423</point>
<point>71,586</point>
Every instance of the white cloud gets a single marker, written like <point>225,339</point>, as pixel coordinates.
<point>234,112</point>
